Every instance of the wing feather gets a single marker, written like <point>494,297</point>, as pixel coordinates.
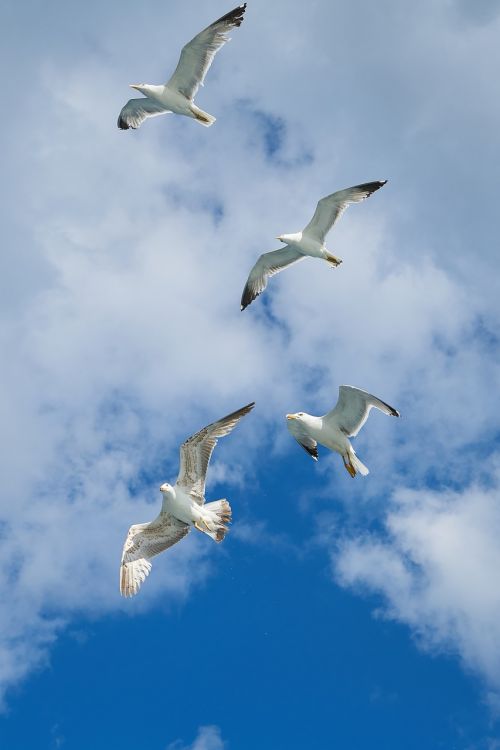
<point>303,438</point>
<point>332,207</point>
<point>197,450</point>
<point>198,54</point>
<point>136,111</point>
<point>353,407</point>
<point>144,541</point>
<point>268,265</point>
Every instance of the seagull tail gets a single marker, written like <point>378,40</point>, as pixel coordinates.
<point>358,465</point>
<point>217,517</point>
<point>202,116</point>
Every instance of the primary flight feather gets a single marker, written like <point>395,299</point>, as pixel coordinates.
<point>183,506</point>
<point>177,95</point>
<point>309,242</point>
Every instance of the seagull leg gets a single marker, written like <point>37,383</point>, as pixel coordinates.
<point>350,468</point>
<point>198,526</point>
<point>333,261</point>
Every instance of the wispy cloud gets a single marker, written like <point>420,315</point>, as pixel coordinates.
<point>208,738</point>
<point>435,563</point>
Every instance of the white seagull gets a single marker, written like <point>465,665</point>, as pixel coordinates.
<point>178,93</point>
<point>334,429</point>
<point>309,242</point>
<point>183,507</point>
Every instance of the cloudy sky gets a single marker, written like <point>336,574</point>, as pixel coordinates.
<point>337,613</point>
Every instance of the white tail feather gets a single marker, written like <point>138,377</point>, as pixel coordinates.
<point>217,516</point>
<point>359,465</point>
<point>203,117</point>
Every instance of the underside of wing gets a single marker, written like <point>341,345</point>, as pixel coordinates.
<point>353,407</point>
<point>136,111</point>
<point>267,265</point>
<point>198,54</point>
<point>197,450</point>
<point>303,438</point>
<point>143,542</point>
<point>332,207</point>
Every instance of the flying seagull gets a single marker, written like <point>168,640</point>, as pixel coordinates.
<point>334,429</point>
<point>183,507</point>
<point>178,93</point>
<point>311,241</point>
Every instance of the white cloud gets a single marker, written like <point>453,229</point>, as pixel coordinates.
<point>129,252</point>
<point>436,566</point>
<point>208,738</point>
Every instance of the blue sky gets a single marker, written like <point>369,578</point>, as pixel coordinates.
<point>337,612</point>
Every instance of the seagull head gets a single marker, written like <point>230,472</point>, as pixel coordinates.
<point>166,488</point>
<point>297,416</point>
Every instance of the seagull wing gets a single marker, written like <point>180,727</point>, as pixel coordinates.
<point>197,450</point>
<point>144,541</point>
<point>267,265</point>
<point>198,54</point>
<point>303,438</point>
<point>332,207</point>
<point>136,111</point>
<point>352,409</point>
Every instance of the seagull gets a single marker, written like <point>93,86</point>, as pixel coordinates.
<point>334,429</point>
<point>178,93</point>
<point>183,507</point>
<point>311,241</point>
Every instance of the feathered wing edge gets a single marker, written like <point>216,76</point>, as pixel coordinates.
<point>198,54</point>
<point>330,208</point>
<point>143,542</point>
<point>197,450</point>
<point>266,266</point>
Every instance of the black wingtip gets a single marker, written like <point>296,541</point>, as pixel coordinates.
<point>241,412</point>
<point>247,297</point>
<point>313,452</point>
<point>234,17</point>
<point>393,412</point>
<point>122,124</point>
<point>371,187</point>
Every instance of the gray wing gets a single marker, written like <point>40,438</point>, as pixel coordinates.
<point>197,450</point>
<point>329,209</point>
<point>144,541</point>
<point>267,265</point>
<point>198,54</point>
<point>352,409</point>
<point>303,438</point>
<point>136,111</point>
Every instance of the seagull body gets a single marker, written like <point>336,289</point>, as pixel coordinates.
<point>309,242</point>
<point>177,95</point>
<point>334,429</point>
<point>182,508</point>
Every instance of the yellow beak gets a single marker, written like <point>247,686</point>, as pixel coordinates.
<point>291,416</point>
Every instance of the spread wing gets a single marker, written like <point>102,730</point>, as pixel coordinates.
<point>198,54</point>
<point>136,111</point>
<point>267,265</point>
<point>352,409</point>
<point>144,541</point>
<point>332,207</point>
<point>303,438</point>
<point>197,450</point>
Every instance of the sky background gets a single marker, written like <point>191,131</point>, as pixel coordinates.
<point>337,613</point>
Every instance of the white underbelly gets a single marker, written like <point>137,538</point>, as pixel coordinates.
<point>175,102</point>
<point>181,507</point>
